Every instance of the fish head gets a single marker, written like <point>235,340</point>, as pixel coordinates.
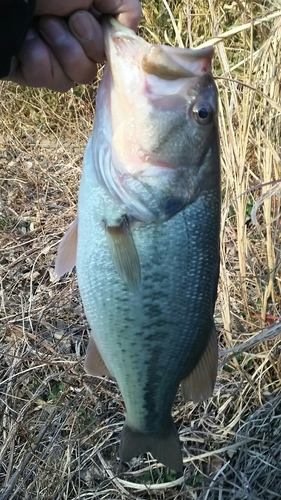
<point>163,111</point>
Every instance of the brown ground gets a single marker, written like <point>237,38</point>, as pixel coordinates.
<point>60,428</point>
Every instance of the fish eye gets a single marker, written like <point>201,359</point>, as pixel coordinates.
<point>203,113</point>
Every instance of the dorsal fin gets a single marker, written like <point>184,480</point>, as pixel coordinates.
<point>199,384</point>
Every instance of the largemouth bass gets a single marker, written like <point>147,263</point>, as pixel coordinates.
<point>148,235</point>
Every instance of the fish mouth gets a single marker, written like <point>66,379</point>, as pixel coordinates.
<point>163,61</point>
<point>111,24</point>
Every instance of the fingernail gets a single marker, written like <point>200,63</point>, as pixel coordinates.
<point>82,25</point>
<point>53,30</point>
<point>30,35</point>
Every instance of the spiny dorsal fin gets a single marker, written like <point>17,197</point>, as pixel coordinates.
<point>67,250</point>
<point>94,364</point>
<point>165,448</point>
<point>199,384</point>
<point>124,253</point>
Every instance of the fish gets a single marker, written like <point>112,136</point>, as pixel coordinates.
<point>146,239</point>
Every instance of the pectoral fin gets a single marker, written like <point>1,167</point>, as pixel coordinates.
<point>67,250</point>
<point>124,253</point>
<point>199,384</point>
<point>94,364</point>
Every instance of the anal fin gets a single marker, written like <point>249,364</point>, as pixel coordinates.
<point>199,384</point>
<point>94,364</point>
<point>67,250</point>
<point>124,253</point>
<point>165,448</point>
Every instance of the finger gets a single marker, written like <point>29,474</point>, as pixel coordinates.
<point>87,30</point>
<point>61,7</point>
<point>37,66</point>
<point>128,12</point>
<point>67,50</point>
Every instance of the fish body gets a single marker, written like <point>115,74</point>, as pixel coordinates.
<point>148,235</point>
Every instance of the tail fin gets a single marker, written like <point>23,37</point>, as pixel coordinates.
<point>164,447</point>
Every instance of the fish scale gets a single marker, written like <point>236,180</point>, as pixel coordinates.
<point>155,315</point>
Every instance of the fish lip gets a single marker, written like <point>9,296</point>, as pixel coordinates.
<point>109,24</point>
<point>114,30</point>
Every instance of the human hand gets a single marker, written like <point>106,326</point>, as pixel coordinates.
<point>58,52</point>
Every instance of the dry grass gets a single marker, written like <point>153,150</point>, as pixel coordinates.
<point>60,428</point>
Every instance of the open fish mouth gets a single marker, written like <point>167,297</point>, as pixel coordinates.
<point>162,69</point>
<point>168,63</point>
